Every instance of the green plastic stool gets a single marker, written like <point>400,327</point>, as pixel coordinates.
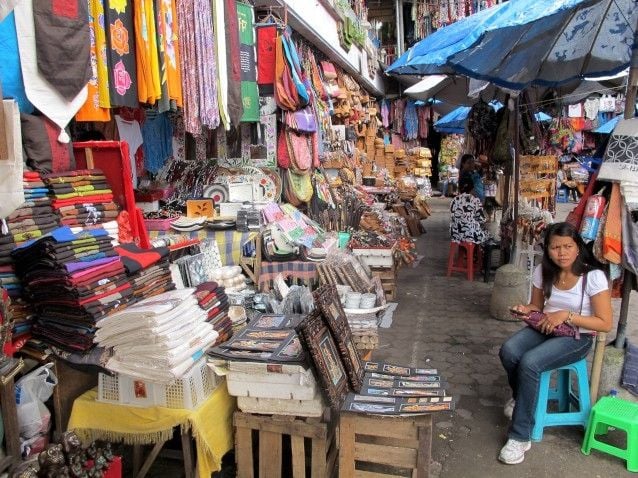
<point>623,415</point>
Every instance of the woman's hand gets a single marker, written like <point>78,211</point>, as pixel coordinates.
<point>553,320</point>
<point>520,310</point>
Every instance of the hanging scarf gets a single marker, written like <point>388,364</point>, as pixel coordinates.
<point>206,64</point>
<point>222,60</point>
<point>121,53</point>
<point>235,106</point>
<point>63,44</point>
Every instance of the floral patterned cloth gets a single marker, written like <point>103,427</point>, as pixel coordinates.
<point>467,219</point>
<point>121,52</point>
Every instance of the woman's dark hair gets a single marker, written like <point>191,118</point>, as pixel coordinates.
<point>465,158</point>
<point>585,260</point>
<point>466,185</point>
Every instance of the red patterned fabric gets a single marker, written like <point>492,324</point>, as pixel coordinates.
<point>60,153</point>
<point>266,37</point>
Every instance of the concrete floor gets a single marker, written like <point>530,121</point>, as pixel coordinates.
<point>445,323</point>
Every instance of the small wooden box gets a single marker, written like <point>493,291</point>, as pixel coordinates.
<point>392,445</point>
<point>388,276</point>
<point>286,446</point>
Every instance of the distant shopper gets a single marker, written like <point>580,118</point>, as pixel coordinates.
<point>452,184</point>
<point>467,218</point>
<point>558,292</point>
<point>565,182</point>
<point>468,169</point>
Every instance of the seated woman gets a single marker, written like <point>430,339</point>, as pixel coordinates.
<point>467,216</point>
<point>564,181</point>
<point>568,287</point>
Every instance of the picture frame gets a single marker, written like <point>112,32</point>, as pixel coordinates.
<point>322,349</point>
<point>327,300</point>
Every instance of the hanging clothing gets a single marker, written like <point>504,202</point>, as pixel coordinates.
<point>266,37</point>
<point>63,44</point>
<point>91,110</point>
<point>146,52</point>
<point>11,185</point>
<point>118,17</point>
<point>157,134</point>
<point>411,121</point>
<point>249,89</point>
<point>130,132</point>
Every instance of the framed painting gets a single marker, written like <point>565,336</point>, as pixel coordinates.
<point>324,355</point>
<point>327,300</point>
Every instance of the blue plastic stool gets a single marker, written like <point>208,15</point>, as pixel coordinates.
<point>561,196</point>
<point>565,396</point>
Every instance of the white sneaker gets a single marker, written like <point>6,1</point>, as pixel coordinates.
<point>514,451</point>
<point>508,409</point>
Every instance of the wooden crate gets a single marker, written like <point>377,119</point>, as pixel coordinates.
<point>298,443</point>
<point>384,445</point>
<point>388,276</point>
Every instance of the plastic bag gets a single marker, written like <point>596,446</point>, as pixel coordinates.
<point>32,391</point>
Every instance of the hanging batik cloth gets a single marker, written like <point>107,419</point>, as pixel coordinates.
<point>167,31</point>
<point>411,121</point>
<point>146,53</point>
<point>92,109</point>
<point>249,89</point>
<point>235,107</point>
<point>63,44</point>
<point>121,52</point>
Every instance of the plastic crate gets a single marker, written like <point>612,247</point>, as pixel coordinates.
<point>188,392</point>
<point>382,257</point>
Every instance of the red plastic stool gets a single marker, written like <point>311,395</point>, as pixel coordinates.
<point>455,260</point>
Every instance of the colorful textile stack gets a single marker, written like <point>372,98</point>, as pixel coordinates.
<point>73,278</point>
<point>159,338</point>
<point>213,300</point>
<point>147,269</point>
<point>82,197</point>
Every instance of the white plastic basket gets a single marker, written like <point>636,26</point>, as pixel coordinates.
<point>188,392</point>
<point>376,257</point>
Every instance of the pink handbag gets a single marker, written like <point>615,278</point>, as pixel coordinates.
<point>300,150</point>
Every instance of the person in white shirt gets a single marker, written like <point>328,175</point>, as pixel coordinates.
<point>568,287</point>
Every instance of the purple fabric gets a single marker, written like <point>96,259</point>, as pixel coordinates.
<point>81,265</point>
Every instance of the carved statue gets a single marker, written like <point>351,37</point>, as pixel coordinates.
<point>25,470</point>
<point>52,463</point>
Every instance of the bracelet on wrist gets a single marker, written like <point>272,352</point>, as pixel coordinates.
<point>569,319</point>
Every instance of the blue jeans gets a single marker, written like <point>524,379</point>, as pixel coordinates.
<point>525,355</point>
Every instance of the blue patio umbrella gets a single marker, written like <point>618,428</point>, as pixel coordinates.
<point>431,55</point>
<point>454,121</point>
<point>588,38</point>
<point>608,127</point>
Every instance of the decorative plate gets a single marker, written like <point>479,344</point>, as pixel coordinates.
<point>217,192</point>
<point>265,188</point>
<point>274,175</point>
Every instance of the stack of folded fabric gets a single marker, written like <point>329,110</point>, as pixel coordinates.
<point>72,279</point>
<point>213,300</point>
<point>147,269</point>
<point>82,197</point>
<point>34,218</point>
<point>159,338</point>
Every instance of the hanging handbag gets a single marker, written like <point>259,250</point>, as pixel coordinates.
<point>300,185</point>
<point>290,54</point>
<point>284,92</point>
<point>329,71</point>
<point>302,121</point>
<point>283,157</point>
<point>300,151</point>
<point>576,215</point>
